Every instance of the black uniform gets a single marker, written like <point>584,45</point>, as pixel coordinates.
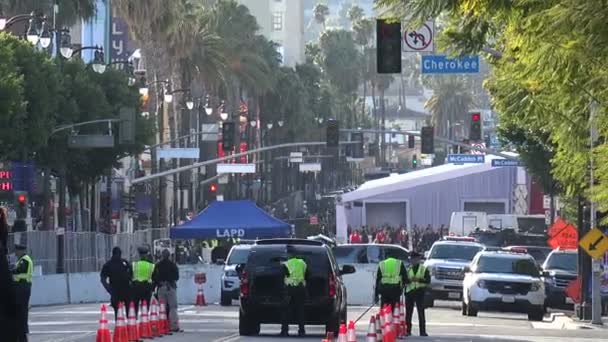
<point>389,294</point>
<point>416,297</point>
<point>118,271</point>
<point>9,310</point>
<point>23,292</point>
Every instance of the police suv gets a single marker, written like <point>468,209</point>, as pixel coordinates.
<point>504,281</point>
<point>446,261</point>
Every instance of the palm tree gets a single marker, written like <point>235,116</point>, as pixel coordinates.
<point>70,11</point>
<point>355,13</point>
<point>450,102</point>
<point>321,12</point>
<point>363,30</point>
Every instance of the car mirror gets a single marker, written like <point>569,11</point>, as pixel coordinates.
<point>347,269</point>
<point>466,269</point>
<point>426,254</point>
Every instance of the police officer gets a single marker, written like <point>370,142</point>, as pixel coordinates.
<point>390,278</point>
<point>115,277</point>
<point>142,277</point>
<point>418,278</point>
<point>295,272</point>
<point>165,277</point>
<point>22,277</point>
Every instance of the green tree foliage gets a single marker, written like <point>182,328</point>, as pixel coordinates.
<point>70,11</point>
<point>28,107</point>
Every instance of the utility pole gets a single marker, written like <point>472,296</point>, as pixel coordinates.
<point>596,297</point>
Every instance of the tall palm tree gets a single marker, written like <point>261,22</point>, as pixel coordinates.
<point>450,102</point>
<point>355,13</point>
<point>70,11</point>
<point>363,30</point>
<point>320,13</point>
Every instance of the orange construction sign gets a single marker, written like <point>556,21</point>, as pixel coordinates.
<point>557,227</point>
<point>567,238</point>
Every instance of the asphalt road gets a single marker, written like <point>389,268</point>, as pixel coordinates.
<point>78,323</point>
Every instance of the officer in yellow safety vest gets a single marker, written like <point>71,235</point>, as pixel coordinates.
<point>418,278</point>
<point>390,278</point>
<point>295,274</point>
<point>22,276</point>
<point>142,277</point>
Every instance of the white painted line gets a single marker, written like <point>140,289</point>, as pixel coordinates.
<point>228,338</point>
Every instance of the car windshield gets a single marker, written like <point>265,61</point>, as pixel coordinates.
<point>495,264</point>
<point>238,256</point>
<point>347,254</point>
<point>458,252</point>
<point>562,261</point>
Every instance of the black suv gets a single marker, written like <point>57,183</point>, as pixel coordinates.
<point>561,266</point>
<point>263,292</point>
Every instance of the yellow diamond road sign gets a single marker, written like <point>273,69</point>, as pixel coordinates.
<point>595,243</point>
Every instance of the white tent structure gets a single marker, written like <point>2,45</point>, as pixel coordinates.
<point>429,196</point>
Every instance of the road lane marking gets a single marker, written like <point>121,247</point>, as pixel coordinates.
<point>228,338</point>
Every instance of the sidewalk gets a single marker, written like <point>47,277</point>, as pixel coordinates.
<point>575,323</point>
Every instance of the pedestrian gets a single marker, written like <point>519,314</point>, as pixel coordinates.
<point>142,286</point>
<point>115,277</point>
<point>418,278</point>
<point>295,275</point>
<point>165,277</point>
<point>9,310</point>
<point>22,276</point>
<point>390,277</point>
<point>355,237</point>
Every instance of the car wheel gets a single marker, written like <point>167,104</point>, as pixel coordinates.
<point>333,326</point>
<point>246,326</point>
<point>464,308</point>
<point>429,302</point>
<point>536,315</point>
<point>225,299</point>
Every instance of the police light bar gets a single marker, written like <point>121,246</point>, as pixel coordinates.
<point>459,238</point>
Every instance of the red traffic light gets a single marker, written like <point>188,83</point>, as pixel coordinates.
<point>213,188</point>
<point>476,117</point>
<point>21,199</point>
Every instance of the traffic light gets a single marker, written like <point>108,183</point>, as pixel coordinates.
<point>411,141</point>
<point>414,161</point>
<point>475,131</point>
<point>213,188</point>
<point>333,133</point>
<point>21,203</point>
<point>357,150</point>
<point>427,140</point>
<point>228,132</point>
<point>388,51</point>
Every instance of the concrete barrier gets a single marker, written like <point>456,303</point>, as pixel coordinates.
<point>86,287</point>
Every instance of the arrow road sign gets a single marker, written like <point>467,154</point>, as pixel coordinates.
<point>419,40</point>
<point>595,243</point>
<point>466,159</point>
<point>505,162</point>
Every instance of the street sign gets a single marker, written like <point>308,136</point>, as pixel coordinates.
<point>573,290</point>
<point>567,238</point>
<point>505,162</point>
<point>546,202</point>
<point>310,167</point>
<point>91,141</point>
<point>440,64</point>
<point>466,159</point>
<point>595,243</point>
<point>547,217</point>
<point>420,39</point>
<point>235,168</point>
<point>296,157</point>
<point>557,227</point>
<point>314,220</point>
<point>178,153</point>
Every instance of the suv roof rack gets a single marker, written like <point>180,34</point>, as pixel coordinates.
<point>303,242</point>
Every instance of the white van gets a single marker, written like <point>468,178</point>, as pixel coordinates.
<point>462,223</point>
<point>517,222</point>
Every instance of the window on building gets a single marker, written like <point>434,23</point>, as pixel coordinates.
<point>277,21</point>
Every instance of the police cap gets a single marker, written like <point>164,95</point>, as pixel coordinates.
<point>415,255</point>
<point>20,247</point>
<point>143,250</point>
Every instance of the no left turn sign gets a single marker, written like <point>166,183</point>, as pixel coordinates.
<point>421,39</point>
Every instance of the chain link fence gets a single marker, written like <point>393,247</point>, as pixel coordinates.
<point>83,251</point>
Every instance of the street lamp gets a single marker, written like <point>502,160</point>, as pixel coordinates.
<point>45,36</point>
<point>168,93</point>
<point>269,125</point>
<point>189,102</point>
<point>208,108</point>
<point>281,123</point>
<point>253,123</point>
<point>143,87</point>
<point>223,113</point>
<point>32,32</point>
<point>65,47</point>
<point>99,65</point>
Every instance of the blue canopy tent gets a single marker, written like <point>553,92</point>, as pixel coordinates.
<point>232,219</point>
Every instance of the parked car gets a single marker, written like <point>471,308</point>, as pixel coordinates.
<point>230,278</point>
<point>446,261</point>
<point>561,267</point>
<point>262,287</point>
<point>369,253</point>
<point>504,281</point>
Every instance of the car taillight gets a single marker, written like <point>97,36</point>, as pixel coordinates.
<point>244,284</point>
<point>332,285</point>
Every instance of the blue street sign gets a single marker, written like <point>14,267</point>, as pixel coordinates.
<point>466,158</point>
<point>506,162</point>
<point>439,64</point>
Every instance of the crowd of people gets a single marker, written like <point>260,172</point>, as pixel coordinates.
<point>422,238</point>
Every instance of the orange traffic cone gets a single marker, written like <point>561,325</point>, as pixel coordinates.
<point>144,324</point>
<point>200,296</point>
<point>371,330</point>
<point>163,319</point>
<point>396,322</point>
<point>379,336</point>
<point>120,328</point>
<point>132,329</point>
<point>342,333</point>
<point>103,332</point>
<point>330,336</point>
<point>351,334</point>
<point>154,318</point>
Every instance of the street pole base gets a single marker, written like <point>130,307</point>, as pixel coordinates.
<point>583,311</point>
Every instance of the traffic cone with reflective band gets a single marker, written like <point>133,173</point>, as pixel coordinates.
<point>200,296</point>
<point>403,330</point>
<point>103,332</point>
<point>120,328</point>
<point>342,333</point>
<point>396,323</point>
<point>351,334</point>
<point>371,330</point>
<point>154,318</point>
<point>132,329</point>
<point>144,325</point>
<point>330,336</point>
<point>164,322</point>
<point>388,321</point>
<point>379,337</point>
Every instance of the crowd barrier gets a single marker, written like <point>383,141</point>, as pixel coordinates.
<point>75,288</point>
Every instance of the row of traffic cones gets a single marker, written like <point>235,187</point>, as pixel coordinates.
<point>385,326</point>
<point>130,328</point>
